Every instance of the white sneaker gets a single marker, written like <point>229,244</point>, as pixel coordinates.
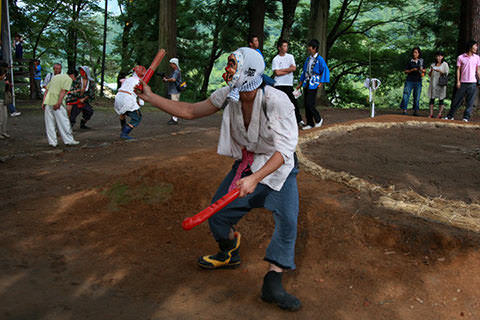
<point>447,118</point>
<point>73,143</point>
<point>15,114</point>
<point>318,125</point>
<point>307,127</point>
<point>301,123</point>
<point>6,135</point>
<point>465,120</point>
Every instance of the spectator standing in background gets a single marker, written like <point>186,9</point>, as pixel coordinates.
<point>173,81</point>
<point>468,73</point>
<point>37,79</point>
<point>415,71</point>
<point>315,73</point>
<point>283,66</point>
<point>18,45</point>
<point>437,90</point>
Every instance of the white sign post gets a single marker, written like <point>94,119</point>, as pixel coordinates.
<point>372,85</point>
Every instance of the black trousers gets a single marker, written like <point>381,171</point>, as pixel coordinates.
<point>311,113</point>
<point>289,91</point>
<point>87,112</point>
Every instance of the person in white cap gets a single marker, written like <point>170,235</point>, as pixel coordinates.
<point>173,82</point>
<point>259,130</point>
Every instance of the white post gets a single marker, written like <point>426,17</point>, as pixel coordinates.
<point>10,63</point>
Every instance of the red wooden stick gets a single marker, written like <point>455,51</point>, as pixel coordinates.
<point>80,104</point>
<point>151,70</point>
<point>203,215</point>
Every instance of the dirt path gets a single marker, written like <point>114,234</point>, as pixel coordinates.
<point>94,232</point>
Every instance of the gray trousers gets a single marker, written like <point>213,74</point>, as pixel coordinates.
<point>467,91</point>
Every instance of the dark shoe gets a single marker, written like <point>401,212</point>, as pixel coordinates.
<point>172,122</point>
<point>415,114</point>
<point>227,257</point>
<point>83,126</point>
<point>273,292</point>
<point>404,112</point>
<point>125,131</point>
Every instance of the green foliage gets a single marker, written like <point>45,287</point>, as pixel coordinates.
<point>368,37</point>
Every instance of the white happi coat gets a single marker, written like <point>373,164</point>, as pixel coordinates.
<point>274,129</point>
<point>128,101</point>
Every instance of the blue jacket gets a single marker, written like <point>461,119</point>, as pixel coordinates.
<point>38,73</point>
<point>320,73</point>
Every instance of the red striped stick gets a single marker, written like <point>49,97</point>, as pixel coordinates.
<point>203,215</point>
<point>151,70</point>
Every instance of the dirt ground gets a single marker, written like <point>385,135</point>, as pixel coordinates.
<point>94,231</point>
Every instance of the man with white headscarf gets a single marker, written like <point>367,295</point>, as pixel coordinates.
<point>80,97</point>
<point>259,130</point>
<point>173,82</point>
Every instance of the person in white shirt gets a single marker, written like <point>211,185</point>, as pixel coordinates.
<point>127,103</point>
<point>283,67</point>
<point>260,132</point>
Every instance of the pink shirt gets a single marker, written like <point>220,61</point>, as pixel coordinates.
<point>468,67</point>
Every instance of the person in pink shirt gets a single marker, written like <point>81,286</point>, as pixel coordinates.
<point>468,68</point>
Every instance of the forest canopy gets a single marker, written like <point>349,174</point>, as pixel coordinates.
<point>361,38</point>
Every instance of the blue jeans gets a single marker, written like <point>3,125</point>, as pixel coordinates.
<point>135,117</point>
<point>417,91</point>
<point>11,108</point>
<point>468,91</point>
<point>284,206</point>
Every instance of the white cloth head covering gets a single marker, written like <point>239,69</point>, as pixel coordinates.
<point>87,71</point>
<point>250,67</point>
<point>175,62</point>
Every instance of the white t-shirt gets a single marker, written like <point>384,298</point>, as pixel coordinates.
<point>283,62</point>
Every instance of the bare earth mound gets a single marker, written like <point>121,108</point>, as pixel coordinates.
<point>434,162</point>
<point>95,233</point>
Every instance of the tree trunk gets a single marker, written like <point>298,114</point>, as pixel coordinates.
<point>124,49</point>
<point>469,23</point>
<point>256,14</point>
<point>288,8</point>
<point>319,23</point>
<point>72,37</point>
<point>104,47</point>
<point>214,54</point>
<point>167,37</point>
<point>318,28</point>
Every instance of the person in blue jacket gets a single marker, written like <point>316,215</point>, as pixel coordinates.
<point>315,72</point>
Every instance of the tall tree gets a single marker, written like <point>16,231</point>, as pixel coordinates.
<point>288,9</point>
<point>122,42</point>
<point>469,23</point>
<point>167,30</point>
<point>76,20</point>
<point>256,12</point>
<point>318,25</point>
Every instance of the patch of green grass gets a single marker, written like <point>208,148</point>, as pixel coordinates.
<point>121,194</point>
